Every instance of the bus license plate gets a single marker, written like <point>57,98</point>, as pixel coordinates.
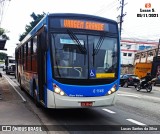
<point>86,104</point>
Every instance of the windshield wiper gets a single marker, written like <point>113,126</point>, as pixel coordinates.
<point>98,46</point>
<point>74,38</point>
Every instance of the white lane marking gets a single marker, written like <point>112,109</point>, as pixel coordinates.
<point>128,95</point>
<point>136,122</point>
<point>109,111</point>
<point>9,80</point>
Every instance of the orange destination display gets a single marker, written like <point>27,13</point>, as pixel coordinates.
<point>90,25</point>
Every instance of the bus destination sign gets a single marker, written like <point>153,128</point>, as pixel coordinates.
<point>81,24</point>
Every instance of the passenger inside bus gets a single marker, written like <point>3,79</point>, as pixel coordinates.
<point>64,64</point>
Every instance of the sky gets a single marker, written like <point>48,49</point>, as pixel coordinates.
<point>17,15</point>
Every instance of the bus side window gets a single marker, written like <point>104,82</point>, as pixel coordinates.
<point>22,57</point>
<point>34,55</point>
<point>25,55</point>
<point>29,56</point>
<point>19,56</point>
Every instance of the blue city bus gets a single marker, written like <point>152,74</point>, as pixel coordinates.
<point>70,61</point>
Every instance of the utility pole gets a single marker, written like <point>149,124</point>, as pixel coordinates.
<point>2,8</point>
<point>121,20</point>
<point>120,17</point>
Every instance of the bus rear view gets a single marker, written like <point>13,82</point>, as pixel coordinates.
<point>79,62</point>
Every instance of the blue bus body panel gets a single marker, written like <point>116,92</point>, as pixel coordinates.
<point>49,71</point>
<point>86,91</point>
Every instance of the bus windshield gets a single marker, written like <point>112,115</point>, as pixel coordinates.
<point>84,56</point>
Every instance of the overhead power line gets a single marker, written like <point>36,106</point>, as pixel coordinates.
<point>106,7</point>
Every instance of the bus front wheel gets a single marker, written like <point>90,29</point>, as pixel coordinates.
<point>35,98</point>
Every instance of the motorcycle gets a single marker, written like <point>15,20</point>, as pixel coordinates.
<point>147,86</point>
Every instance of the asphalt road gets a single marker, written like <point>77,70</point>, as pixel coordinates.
<point>131,108</point>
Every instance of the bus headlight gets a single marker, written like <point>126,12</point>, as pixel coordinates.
<point>58,90</point>
<point>109,92</point>
<point>61,93</point>
<point>112,90</point>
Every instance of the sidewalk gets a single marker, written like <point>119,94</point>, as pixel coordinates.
<point>7,94</point>
<point>13,111</point>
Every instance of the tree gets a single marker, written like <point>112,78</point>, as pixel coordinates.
<point>2,55</point>
<point>28,28</point>
<point>3,34</point>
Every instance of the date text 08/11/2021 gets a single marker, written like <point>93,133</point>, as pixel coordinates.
<point>147,15</point>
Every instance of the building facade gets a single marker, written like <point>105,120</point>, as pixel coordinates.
<point>130,47</point>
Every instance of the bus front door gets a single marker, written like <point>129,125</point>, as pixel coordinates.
<point>41,68</point>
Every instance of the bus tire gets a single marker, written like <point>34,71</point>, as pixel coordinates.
<point>35,95</point>
<point>35,99</point>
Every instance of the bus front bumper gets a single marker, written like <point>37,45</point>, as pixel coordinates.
<point>57,101</point>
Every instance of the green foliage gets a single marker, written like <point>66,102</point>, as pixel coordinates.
<point>1,31</point>
<point>3,34</point>
<point>28,28</point>
<point>2,55</point>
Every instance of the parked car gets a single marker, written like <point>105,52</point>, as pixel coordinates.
<point>129,80</point>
